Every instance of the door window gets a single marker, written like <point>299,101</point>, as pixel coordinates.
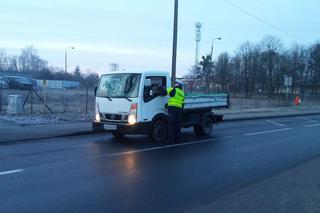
<point>158,83</point>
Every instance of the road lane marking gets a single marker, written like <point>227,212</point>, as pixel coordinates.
<point>267,132</point>
<point>167,146</point>
<point>11,172</point>
<point>307,119</point>
<point>312,125</point>
<point>275,123</point>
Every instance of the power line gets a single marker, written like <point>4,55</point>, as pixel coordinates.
<point>265,22</point>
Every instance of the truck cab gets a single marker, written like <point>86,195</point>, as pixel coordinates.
<point>130,103</point>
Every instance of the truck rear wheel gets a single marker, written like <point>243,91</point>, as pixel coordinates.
<point>159,131</point>
<point>205,127</point>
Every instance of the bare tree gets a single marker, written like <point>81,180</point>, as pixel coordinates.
<point>246,54</point>
<point>29,61</point>
<point>3,60</point>
<point>315,67</point>
<point>270,50</point>
<point>206,71</point>
<point>223,71</point>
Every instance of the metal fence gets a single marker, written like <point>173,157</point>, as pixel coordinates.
<point>51,100</point>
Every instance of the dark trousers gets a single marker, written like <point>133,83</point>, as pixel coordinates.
<point>174,123</point>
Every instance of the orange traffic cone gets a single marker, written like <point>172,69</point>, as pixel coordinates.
<point>297,101</point>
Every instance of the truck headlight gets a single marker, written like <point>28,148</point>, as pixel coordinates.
<point>97,117</point>
<point>97,111</point>
<point>132,119</point>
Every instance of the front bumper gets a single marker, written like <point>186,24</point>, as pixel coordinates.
<point>138,128</point>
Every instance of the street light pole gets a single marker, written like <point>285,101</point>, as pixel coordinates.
<point>212,46</point>
<point>65,64</point>
<point>65,73</point>
<point>66,61</point>
<point>175,39</point>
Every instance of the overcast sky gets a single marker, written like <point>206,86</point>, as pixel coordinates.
<point>137,34</point>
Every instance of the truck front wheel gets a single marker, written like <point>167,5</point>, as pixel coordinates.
<point>159,131</point>
<point>205,127</point>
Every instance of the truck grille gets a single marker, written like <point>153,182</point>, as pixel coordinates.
<point>115,117</point>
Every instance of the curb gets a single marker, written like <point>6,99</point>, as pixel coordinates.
<point>269,116</point>
<point>19,141</point>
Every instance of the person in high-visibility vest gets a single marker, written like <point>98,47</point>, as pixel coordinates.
<point>175,107</point>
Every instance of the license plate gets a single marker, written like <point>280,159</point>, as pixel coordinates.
<point>110,127</point>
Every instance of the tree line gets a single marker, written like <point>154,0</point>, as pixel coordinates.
<point>260,68</point>
<point>29,62</point>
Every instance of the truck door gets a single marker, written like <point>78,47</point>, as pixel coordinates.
<point>153,103</point>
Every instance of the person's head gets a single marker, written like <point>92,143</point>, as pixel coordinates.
<point>178,83</point>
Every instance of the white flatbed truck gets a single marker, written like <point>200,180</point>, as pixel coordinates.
<point>128,103</point>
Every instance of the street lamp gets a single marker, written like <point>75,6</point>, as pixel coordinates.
<point>212,45</point>
<point>66,61</point>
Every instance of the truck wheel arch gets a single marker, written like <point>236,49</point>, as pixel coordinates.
<point>160,116</point>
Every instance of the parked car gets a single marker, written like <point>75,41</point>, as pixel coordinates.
<point>18,82</point>
<point>3,84</point>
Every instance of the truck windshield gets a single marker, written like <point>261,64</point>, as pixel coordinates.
<point>120,85</point>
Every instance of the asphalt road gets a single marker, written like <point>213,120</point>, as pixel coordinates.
<point>99,174</point>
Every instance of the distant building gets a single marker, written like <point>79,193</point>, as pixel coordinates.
<point>56,84</point>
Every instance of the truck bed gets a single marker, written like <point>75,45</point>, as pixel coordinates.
<point>206,101</point>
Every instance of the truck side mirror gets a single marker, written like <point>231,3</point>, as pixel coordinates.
<point>147,82</point>
<point>95,91</point>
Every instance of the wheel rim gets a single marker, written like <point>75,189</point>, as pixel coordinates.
<point>159,131</point>
<point>207,127</point>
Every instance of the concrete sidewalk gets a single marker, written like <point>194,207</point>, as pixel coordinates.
<point>10,132</point>
<point>294,191</point>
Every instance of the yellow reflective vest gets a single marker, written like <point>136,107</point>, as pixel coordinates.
<point>178,99</point>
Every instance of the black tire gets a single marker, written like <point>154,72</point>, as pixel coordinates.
<point>206,126</point>
<point>118,134</point>
<point>159,131</point>
<point>97,127</point>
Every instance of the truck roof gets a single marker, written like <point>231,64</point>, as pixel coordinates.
<point>145,72</point>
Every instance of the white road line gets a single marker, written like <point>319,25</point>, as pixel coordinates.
<point>275,123</point>
<point>307,119</point>
<point>11,172</point>
<point>312,125</point>
<point>266,132</point>
<point>166,147</point>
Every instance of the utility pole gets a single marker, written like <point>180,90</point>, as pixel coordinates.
<point>175,40</point>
